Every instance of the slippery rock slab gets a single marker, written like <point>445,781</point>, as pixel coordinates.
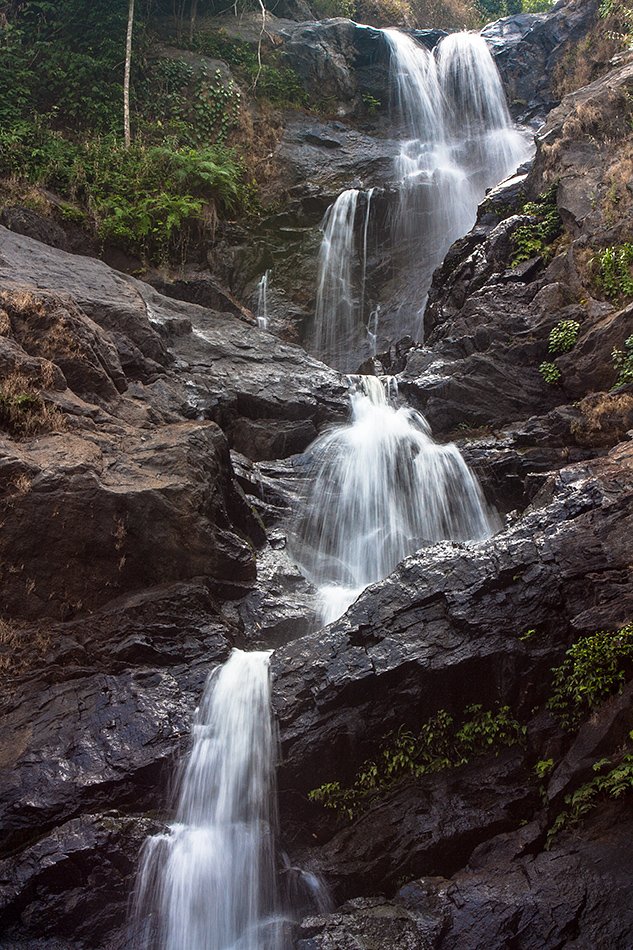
<point>576,895</point>
<point>116,513</point>
<point>430,826</point>
<point>444,629</point>
<point>98,709</point>
<point>75,881</point>
<point>528,47</point>
<point>269,397</point>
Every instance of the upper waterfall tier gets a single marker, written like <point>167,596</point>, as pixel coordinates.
<point>456,141</point>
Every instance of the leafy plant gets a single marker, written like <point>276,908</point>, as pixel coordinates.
<point>611,781</point>
<point>614,271</point>
<point>563,336</point>
<point>550,373</point>
<point>594,668</point>
<point>440,744</point>
<point>543,767</point>
<point>371,103</point>
<point>623,362</point>
<point>536,238</point>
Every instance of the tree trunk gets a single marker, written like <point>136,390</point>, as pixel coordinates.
<point>126,81</point>
<point>192,21</point>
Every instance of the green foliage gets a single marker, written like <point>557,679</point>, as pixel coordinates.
<point>614,271</point>
<point>371,103</point>
<point>146,199</point>
<point>61,122</point>
<point>594,668</point>
<point>325,9</point>
<point>64,60</point>
<point>612,780</point>
<point>440,744</point>
<point>536,238</point>
<point>623,362</point>
<point>543,767</point>
<point>563,336</point>
<point>550,373</point>
<point>537,6</point>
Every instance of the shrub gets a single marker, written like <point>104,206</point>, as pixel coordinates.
<point>536,239</point>
<point>550,373</point>
<point>563,336</point>
<point>614,271</point>
<point>623,362</point>
<point>440,744</point>
<point>594,668</point>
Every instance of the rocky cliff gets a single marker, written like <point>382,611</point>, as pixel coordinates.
<point>150,455</point>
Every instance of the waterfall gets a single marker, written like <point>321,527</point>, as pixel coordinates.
<point>262,301</point>
<point>342,270</point>
<point>209,883</point>
<point>457,140</point>
<point>381,489</point>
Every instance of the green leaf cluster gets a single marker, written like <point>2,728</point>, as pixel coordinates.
<point>613,780</point>
<point>536,238</point>
<point>623,362</point>
<point>614,271</point>
<point>594,668</point>
<point>563,336</point>
<point>441,743</point>
<point>550,372</point>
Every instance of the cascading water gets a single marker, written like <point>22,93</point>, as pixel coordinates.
<point>381,488</point>
<point>209,883</point>
<point>342,271</point>
<point>457,140</point>
<point>262,301</point>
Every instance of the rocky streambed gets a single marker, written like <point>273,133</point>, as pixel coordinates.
<point>146,500</point>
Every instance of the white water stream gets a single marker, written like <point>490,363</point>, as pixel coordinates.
<point>457,140</point>
<point>261,312</point>
<point>380,488</point>
<point>209,883</point>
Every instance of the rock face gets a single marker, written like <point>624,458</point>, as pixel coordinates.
<point>150,458</point>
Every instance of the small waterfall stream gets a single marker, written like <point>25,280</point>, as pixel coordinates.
<point>380,489</point>
<point>209,883</point>
<point>261,311</point>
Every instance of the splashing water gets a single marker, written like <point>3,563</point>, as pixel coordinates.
<point>209,884</point>
<point>262,301</point>
<point>381,489</point>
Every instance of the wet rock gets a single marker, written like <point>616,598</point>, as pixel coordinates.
<point>573,895</point>
<point>527,49</point>
<point>74,881</point>
<point>26,221</point>
<point>447,625</point>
